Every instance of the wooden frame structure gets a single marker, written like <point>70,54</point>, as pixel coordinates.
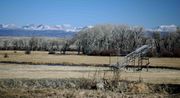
<point>139,54</point>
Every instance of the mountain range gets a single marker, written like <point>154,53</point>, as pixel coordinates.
<point>64,30</point>
<point>164,28</point>
<point>30,30</point>
<point>64,27</point>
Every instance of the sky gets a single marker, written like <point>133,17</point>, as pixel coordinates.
<point>147,13</point>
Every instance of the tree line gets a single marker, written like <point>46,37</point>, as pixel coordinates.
<point>33,44</point>
<point>123,39</point>
<point>101,40</point>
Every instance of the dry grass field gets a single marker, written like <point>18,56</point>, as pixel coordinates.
<point>37,57</point>
<point>44,71</point>
<point>37,76</point>
<point>39,67</point>
<point>84,88</point>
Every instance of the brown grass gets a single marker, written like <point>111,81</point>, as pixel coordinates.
<point>75,93</point>
<point>83,88</point>
<point>45,71</point>
<point>44,57</point>
<point>39,57</point>
<point>19,71</point>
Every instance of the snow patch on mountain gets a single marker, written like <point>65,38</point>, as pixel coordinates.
<point>70,28</point>
<point>8,26</point>
<point>41,27</point>
<point>164,28</point>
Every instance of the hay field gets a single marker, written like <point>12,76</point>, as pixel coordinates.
<point>11,71</point>
<point>40,57</point>
<point>35,70</point>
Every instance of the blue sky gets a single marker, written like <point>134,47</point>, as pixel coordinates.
<point>147,13</point>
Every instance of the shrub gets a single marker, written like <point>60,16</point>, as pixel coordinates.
<point>166,53</point>
<point>151,54</point>
<point>104,52</point>
<point>52,52</point>
<point>28,51</point>
<point>177,52</point>
<point>95,52</point>
<point>6,55</point>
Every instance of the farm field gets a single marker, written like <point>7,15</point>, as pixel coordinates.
<point>39,57</point>
<point>89,49</point>
<point>154,75</point>
<point>44,75</point>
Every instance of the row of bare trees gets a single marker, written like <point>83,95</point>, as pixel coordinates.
<point>109,39</point>
<point>34,44</point>
<point>101,40</point>
<point>168,45</point>
<point>122,39</point>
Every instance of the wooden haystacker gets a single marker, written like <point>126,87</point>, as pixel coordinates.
<point>139,54</point>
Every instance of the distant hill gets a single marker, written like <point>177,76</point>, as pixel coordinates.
<point>40,33</point>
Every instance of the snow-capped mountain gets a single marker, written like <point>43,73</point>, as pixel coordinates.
<point>167,28</point>
<point>164,28</point>
<point>69,28</point>
<point>64,30</point>
<point>8,26</point>
<point>64,27</point>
